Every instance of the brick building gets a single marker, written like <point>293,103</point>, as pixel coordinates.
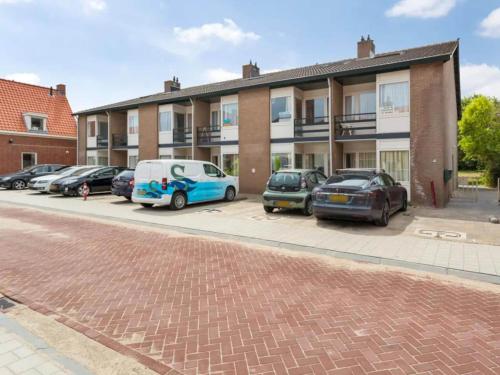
<point>36,126</point>
<point>396,110</point>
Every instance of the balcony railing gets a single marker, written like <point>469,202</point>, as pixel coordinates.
<point>183,136</point>
<point>101,142</point>
<point>119,140</point>
<point>311,127</point>
<point>208,135</point>
<point>356,125</point>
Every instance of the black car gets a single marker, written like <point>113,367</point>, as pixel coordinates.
<point>123,184</point>
<point>98,181</point>
<point>359,195</point>
<point>19,180</point>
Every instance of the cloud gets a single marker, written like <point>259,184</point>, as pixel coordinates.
<point>480,79</point>
<point>220,74</point>
<point>31,78</point>
<point>490,26</point>
<point>421,8</point>
<point>228,31</point>
<point>93,6</point>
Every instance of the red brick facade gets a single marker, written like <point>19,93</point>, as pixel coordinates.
<point>47,149</point>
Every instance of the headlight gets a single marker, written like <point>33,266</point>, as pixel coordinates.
<point>6,178</point>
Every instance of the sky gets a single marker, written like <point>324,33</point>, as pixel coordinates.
<point>111,50</point>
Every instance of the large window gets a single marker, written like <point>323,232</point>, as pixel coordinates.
<point>132,161</point>
<point>102,160</point>
<point>230,114</point>
<point>231,165</point>
<point>281,161</point>
<point>280,109</point>
<point>37,124</point>
<point>396,164</point>
<point>317,110</point>
<point>133,124</point>
<point>165,121</point>
<point>367,102</point>
<point>91,160</point>
<point>91,129</point>
<point>367,160</point>
<point>394,98</point>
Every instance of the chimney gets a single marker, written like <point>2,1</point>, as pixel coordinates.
<point>172,85</point>
<point>366,47</point>
<point>250,70</point>
<point>61,89</point>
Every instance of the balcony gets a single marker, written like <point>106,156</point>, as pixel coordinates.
<point>119,141</point>
<point>312,128</point>
<point>101,142</point>
<point>182,136</point>
<point>355,126</point>
<point>208,135</point>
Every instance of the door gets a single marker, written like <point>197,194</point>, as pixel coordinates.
<point>102,180</point>
<point>214,186</point>
<point>28,159</point>
<point>394,192</point>
<point>310,111</point>
<point>298,108</point>
<point>350,160</point>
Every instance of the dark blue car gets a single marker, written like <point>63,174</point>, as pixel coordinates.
<point>123,184</point>
<point>355,194</point>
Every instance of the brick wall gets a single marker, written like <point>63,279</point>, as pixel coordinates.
<point>254,139</point>
<point>336,104</point>
<point>148,132</point>
<point>427,133</point>
<point>82,140</point>
<point>48,150</point>
<point>201,118</point>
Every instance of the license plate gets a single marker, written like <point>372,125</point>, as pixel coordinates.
<point>282,204</point>
<point>339,198</point>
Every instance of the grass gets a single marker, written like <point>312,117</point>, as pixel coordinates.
<point>470,174</point>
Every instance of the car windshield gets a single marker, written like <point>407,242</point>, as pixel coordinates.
<point>84,171</point>
<point>67,171</point>
<point>285,179</point>
<point>127,173</point>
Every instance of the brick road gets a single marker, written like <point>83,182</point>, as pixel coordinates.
<point>206,306</point>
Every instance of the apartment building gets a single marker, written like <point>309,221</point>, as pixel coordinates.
<point>395,110</point>
<point>36,126</point>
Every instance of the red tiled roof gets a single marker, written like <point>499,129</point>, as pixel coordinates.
<point>17,98</point>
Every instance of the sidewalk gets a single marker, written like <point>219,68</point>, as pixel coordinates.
<point>245,221</point>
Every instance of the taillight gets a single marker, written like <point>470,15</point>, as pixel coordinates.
<point>131,182</point>
<point>164,183</point>
<point>303,183</point>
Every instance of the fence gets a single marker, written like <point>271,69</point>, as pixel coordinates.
<point>468,189</point>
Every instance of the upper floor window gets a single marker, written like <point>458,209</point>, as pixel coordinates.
<point>165,121</point>
<point>364,102</point>
<point>280,109</point>
<point>394,98</point>
<point>230,114</point>
<point>189,120</point>
<point>214,120</point>
<point>317,110</point>
<point>35,122</point>
<point>133,124</point>
<point>91,130</point>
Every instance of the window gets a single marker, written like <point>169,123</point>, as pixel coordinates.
<point>230,114</point>
<point>132,161</point>
<point>165,121</point>
<point>396,164</point>
<point>350,160</point>
<point>91,129</point>
<point>214,119</point>
<point>133,124</point>
<point>102,160</point>
<point>230,164</point>
<point>37,124</point>
<point>189,117</point>
<point>281,161</point>
<point>28,159</point>
<point>91,160</point>
<point>387,180</point>
<point>394,98</point>
<point>212,171</point>
<point>317,110</point>
<point>367,102</point>
<point>280,109</point>
<point>165,157</point>
<point>103,129</point>
<point>367,160</point>
<point>349,105</point>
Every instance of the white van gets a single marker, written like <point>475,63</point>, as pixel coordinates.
<point>181,182</point>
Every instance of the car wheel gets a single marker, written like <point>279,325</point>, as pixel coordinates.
<point>308,208</point>
<point>178,201</point>
<point>384,217</point>
<point>18,185</point>
<point>404,204</point>
<point>230,194</point>
<point>128,198</point>
<point>269,209</point>
<point>147,205</point>
<point>79,191</point>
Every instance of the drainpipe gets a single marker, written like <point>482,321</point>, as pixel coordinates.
<point>109,137</point>
<point>330,107</point>
<point>77,138</point>
<point>193,134</point>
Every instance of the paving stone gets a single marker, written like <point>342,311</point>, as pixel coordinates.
<point>205,306</point>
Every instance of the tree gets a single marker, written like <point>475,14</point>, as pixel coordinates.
<point>480,134</point>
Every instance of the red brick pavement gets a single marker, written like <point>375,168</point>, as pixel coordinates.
<point>206,306</point>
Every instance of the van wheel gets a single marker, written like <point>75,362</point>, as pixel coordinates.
<point>384,217</point>
<point>147,205</point>
<point>178,201</point>
<point>269,209</point>
<point>230,194</point>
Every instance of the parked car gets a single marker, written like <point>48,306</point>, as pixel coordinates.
<point>42,183</point>
<point>358,194</point>
<point>98,181</point>
<point>292,188</point>
<point>19,180</point>
<point>123,184</point>
<point>177,183</point>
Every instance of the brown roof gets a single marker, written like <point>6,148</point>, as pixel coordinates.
<point>17,98</point>
<point>381,61</point>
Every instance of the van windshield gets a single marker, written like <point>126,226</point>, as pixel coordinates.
<point>288,179</point>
